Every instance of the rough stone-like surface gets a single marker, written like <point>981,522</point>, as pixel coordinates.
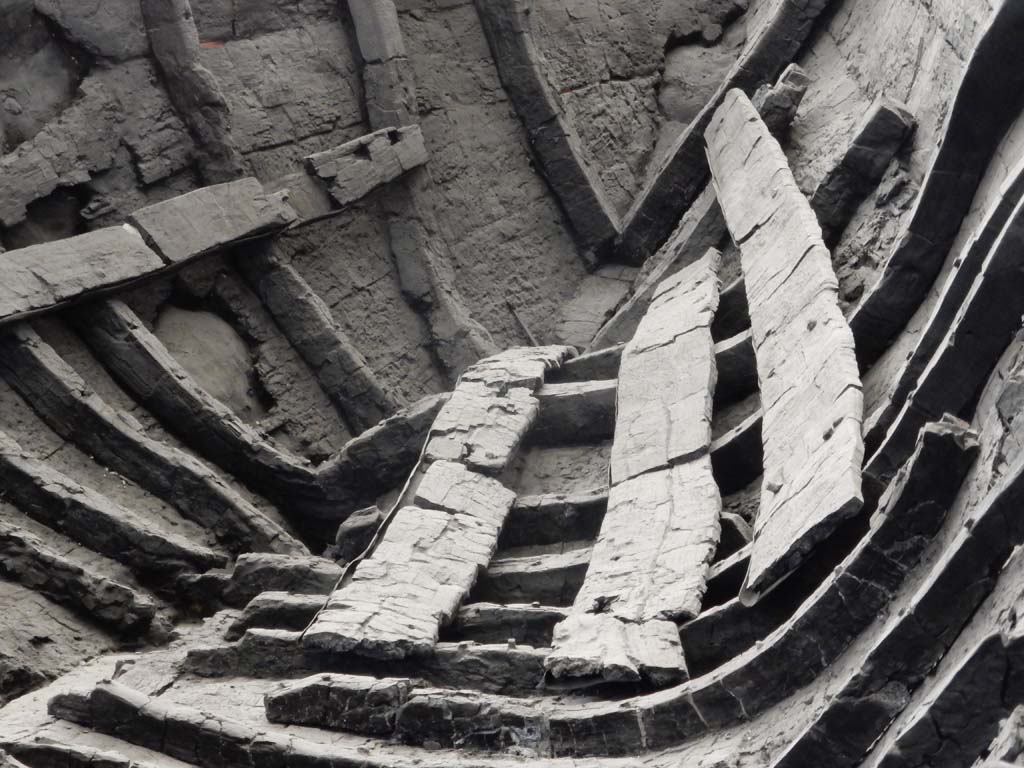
<point>658,538</point>
<point>667,376</point>
<point>105,526</point>
<point>358,167</point>
<point>492,409</point>
<point>549,573</point>
<point>983,87</point>
<point>880,134</point>
<point>79,414</point>
<point>554,141</point>
<point>554,517</point>
<point>328,350</point>
<point>257,572</point>
<point>601,645</point>
<point>879,649</point>
<point>143,364</point>
<point>425,561</point>
<point>29,560</point>
<point>41,276</point>
<point>575,412</point>
<point>387,73</point>
<point>598,297</point>
<point>194,90</point>
<point>492,623</point>
<point>812,423</point>
<point>340,702</point>
<point>111,30</point>
<point>701,226</point>
<point>679,176</point>
<point>468,720</point>
<point>210,218</point>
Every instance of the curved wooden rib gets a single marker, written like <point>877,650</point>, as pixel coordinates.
<point>795,653</point>
<point>143,365</point>
<point>554,141</point>
<point>990,96</point>
<point>985,322</point>
<point>89,517</point>
<point>306,321</point>
<point>63,400</point>
<point>673,186</point>
<point>958,284</point>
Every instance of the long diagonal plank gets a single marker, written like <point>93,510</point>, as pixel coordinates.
<point>427,555</point>
<point>810,387</point>
<point>158,239</point>
<point>426,563</point>
<point>651,559</point>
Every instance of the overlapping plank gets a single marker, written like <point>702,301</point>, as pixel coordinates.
<point>701,226</point>
<point>210,218</point>
<point>491,409</point>
<point>810,386</point>
<point>26,558</point>
<point>680,175</point>
<point>658,537</point>
<point>989,97</point>
<point>38,277</point>
<point>667,376</point>
<point>426,562</point>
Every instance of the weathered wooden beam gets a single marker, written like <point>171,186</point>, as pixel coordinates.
<point>358,167</point>
<point>989,98</point>
<point>554,141</point>
<point>143,365</point>
<point>425,563</point>
<point>210,219</point>
<point>879,135</point>
<point>811,389</point>
<point>78,414</point>
<point>57,501</point>
<point>26,558</point>
<point>985,322</point>
<point>667,377</point>
<point>575,412</point>
<point>388,83</point>
<point>676,182</point>
<point>547,573</point>
<point>158,239</point>
<point>492,409</point>
<point>701,226</point>
<point>659,535</point>
<point>306,321</point>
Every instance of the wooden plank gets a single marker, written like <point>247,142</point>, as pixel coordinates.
<point>77,413</point>
<point>810,386</point>
<point>424,565</point>
<point>210,218</point>
<point>656,545</point>
<point>41,276</point>
<point>358,167</point>
<point>667,376</point>
<point>659,535</point>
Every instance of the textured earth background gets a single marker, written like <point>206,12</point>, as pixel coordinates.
<point>261,262</point>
